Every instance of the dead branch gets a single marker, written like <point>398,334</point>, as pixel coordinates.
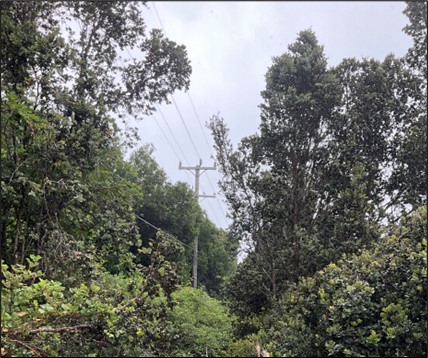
<point>60,329</point>
<point>34,350</point>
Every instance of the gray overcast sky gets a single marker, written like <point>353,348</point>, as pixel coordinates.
<point>230,46</point>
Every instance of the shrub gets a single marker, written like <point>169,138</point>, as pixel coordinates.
<point>201,324</point>
<point>369,304</point>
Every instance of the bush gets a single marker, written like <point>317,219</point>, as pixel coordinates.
<point>201,324</point>
<point>246,347</point>
<point>109,315</point>
<point>370,304</point>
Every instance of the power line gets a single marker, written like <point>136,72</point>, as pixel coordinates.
<point>213,211</point>
<point>170,145</point>
<point>185,126</point>
<point>212,187</point>
<point>163,133</point>
<point>154,6</point>
<point>200,125</point>
<point>221,209</point>
<point>169,128</point>
<point>219,205</point>
<point>166,233</point>
<point>198,120</point>
<point>163,117</point>
<point>206,140</point>
<point>175,139</point>
<point>173,135</point>
<point>175,104</point>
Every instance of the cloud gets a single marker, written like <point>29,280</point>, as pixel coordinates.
<point>231,45</point>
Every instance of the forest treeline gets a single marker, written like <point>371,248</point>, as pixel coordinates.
<point>329,197</point>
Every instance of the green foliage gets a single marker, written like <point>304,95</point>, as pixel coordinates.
<point>70,201</point>
<point>245,347</point>
<point>339,152</point>
<point>108,315</point>
<point>217,258</point>
<point>416,11</point>
<point>40,42</point>
<point>81,276</point>
<point>408,181</point>
<point>173,208</point>
<point>248,296</point>
<point>201,325</point>
<point>95,279</point>
<point>68,194</point>
<point>296,196</point>
<point>369,304</point>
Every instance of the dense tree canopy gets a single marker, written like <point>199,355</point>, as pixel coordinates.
<point>78,266</point>
<point>59,100</point>
<point>370,304</point>
<point>339,153</point>
<point>329,197</point>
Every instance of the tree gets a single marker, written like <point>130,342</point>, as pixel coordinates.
<point>416,11</point>
<point>272,181</point>
<point>92,56</point>
<point>359,154</point>
<point>75,266</point>
<point>372,303</point>
<point>60,98</point>
<point>57,207</point>
<point>318,179</point>
<point>174,208</point>
<point>408,180</point>
<point>217,258</point>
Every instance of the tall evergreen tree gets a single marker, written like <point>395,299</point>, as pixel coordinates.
<point>316,181</point>
<point>271,180</point>
<point>409,175</point>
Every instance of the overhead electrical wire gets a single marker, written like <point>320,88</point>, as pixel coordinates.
<point>164,135</point>
<point>172,134</point>
<point>169,128</point>
<point>150,224</point>
<point>160,21</point>
<point>199,123</point>
<point>169,143</point>
<point>212,156</point>
<point>185,126</point>
<point>213,211</point>
<point>166,233</point>
<point>173,99</point>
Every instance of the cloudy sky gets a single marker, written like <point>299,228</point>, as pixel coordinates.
<point>230,46</point>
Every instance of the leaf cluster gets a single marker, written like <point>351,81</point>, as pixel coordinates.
<point>372,303</point>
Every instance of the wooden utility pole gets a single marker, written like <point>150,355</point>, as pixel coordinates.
<point>197,174</point>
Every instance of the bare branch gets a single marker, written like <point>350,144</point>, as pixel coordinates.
<point>60,329</point>
<point>35,351</point>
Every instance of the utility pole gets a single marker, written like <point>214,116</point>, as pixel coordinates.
<point>197,174</point>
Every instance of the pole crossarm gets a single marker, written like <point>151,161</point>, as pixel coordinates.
<point>206,196</point>
<point>199,167</point>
